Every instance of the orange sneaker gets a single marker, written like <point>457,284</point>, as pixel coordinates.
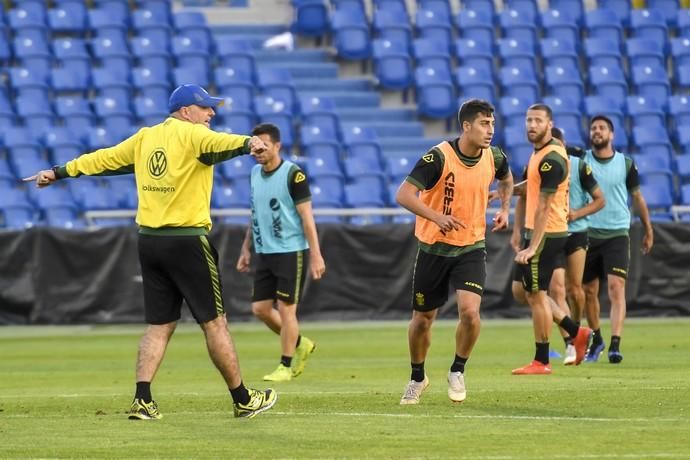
<point>533,368</point>
<point>581,344</point>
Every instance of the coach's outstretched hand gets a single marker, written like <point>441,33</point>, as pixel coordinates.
<point>256,145</point>
<point>43,178</point>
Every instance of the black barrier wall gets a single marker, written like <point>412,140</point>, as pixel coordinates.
<point>51,276</point>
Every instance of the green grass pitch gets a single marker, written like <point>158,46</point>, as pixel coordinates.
<point>64,392</point>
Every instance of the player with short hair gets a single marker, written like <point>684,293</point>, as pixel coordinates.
<point>282,232</point>
<point>544,210</point>
<point>173,166</point>
<point>609,243</point>
<point>448,190</point>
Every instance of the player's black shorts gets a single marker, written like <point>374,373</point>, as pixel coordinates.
<point>575,242</point>
<point>607,256</point>
<point>280,277</point>
<point>180,267</point>
<point>536,274</point>
<point>433,274</point>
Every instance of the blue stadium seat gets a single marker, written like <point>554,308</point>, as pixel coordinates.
<point>527,8</point>
<point>152,26</point>
<point>683,26</point>
<point>108,22</point>
<point>64,80</point>
<point>680,51</point>
<point>36,114</point>
<point>659,196</point>
<point>150,52</point>
<point>652,82</point>
<point>326,192</point>
<point>113,54</point>
<point>436,6</point>
<point>475,82</point>
<point>645,111</point>
<point>683,168</point>
<point>197,75</point>
<point>235,121</point>
<point>649,161</point>
<point>28,22</point>
<point>235,53</point>
<point>57,196</point>
<point>115,114</point>
<point>76,114</point>
<point>519,82</point>
<point>321,138</point>
<point>645,52</point>
<point>311,18</point>
<point>277,83</point>
<point>360,140</point>
<point>193,24</point>
<point>603,52</point>
<point>359,167</point>
<point>485,7</point>
<point>609,82</point>
<point>392,64</point>
<point>682,77</point>
<point>565,82</point>
<point>605,105</point>
<point>22,142</point>
<point>679,109</point>
<point>111,85</point>
<point>63,218</point>
<point>653,139</point>
<point>399,168</point>
<point>236,87</point>
<point>559,52</point>
<point>390,5</point>
<point>351,36</point>
<point>622,8</point>
<point>685,194</point>
<point>63,144</point>
<point>238,167</point>
<point>514,53</point>
<point>512,110</point>
<point>393,25</point>
<point>434,25</point>
<point>69,17</point>
<point>479,55</point>
<point>649,24</point>
<point>435,93</point>
<point>560,25</point>
<point>227,196</point>
<point>669,8</point>
<point>18,218</point>
<point>72,53</point>
<point>149,111</point>
<point>319,166</point>
<point>572,8</point>
<point>152,82</point>
<point>161,8</point>
<point>429,52</point>
<point>475,25</point>
<point>571,124</point>
<point>319,111</point>
<point>190,52</point>
<point>683,135</point>
<point>33,53</point>
<point>365,192</point>
<point>604,23</point>
<point>519,26</point>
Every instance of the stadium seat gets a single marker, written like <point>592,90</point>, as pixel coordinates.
<point>653,139</point>
<point>186,75</point>
<point>393,25</point>
<point>572,8</point>
<point>679,109</point>
<point>149,111</point>
<point>650,161</point>
<point>475,82</point>
<point>560,52</point>
<point>111,85</point>
<point>519,26</point>
<point>70,17</point>
<point>669,8</point>
<point>604,105</point>
<point>683,135</point>
<point>238,167</point>
<point>311,18</point>
<point>33,53</point>
<point>151,52</point>
<point>65,80</point>
<point>435,93</point>
<point>475,25</point>
<point>63,218</point>
<point>236,87</point>
<point>649,24</point>
<point>513,110</point>
<point>519,82</point>
<point>659,198</point>
<point>652,83</point>
<point>113,54</point>
<point>115,115</point>
<point>19,218</point>
<point>527,8</point>
<point>152,82</point>
<point>277,83</point>
<point>366,192</point>
<point>360,140</point>
<point>76,114</point>
<point>28,22</point>
<point>190,52</point>
<point>478,55</point>
<point>351,36</point>
<point>226,196</point>
<point>392,64</point>
<point>683,27</point>
<point>604,23</point>
<point>645,111</point>
<point>358,167</point>
<point>398,169</point>
<point>560,25</point>
<point>36,115</point>
<point>319,166</point>
<point>609,82</point>
<point>319,137</point>
<point>564,82</point>
<point>235,53</point>
<point>683,169</point>
<point>432,53</point>
<point>514,53</point>
<point>434,25</point>
<point>645,52</point>
<point>603,52</point>
<point>193,24</point>
<point>319,111</point>
<point>152,26</point>
<point>63,145</point>
<point>327,192</point>
<point>234,121</point>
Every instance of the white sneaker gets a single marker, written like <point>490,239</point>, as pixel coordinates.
<point>413,391</point>
<point>456,387</point>
<point>570,355</point>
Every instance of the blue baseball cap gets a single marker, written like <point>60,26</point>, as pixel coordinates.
<point>185,95</point>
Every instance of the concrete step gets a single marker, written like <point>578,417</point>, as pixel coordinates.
<point>386,129</point>
<point>332,84</point>
<point>299,55</point>
<point>311,70</point>
<point>374,114</point>
<point>351,99</point>
<point>407,146</point>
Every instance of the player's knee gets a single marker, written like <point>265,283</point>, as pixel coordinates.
<point>261,311</point>
<point>422,321</point>
<point>470,316</point>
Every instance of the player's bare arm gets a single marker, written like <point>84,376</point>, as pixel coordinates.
<point>505,191</point>
<point>597,203</point>
<point>640,206</point>
<point>540,216</point>
<point>245,257</point>
<point>316,263</point>
<point>407,198</point>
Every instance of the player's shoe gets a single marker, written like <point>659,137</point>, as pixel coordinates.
<point>595,350</point>
<point>570,355</point>
<point>456,387</point>
<point>141,410</point>
<point>581,343</point>
<point>533,368</point>
<point>413,391</point>
<point>302,352</point>
<point>259,401</point>
<point>281,374</point>
<point>615,356</point>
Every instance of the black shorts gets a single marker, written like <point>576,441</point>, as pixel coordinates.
<point>575,242</point>
<point>174,268</point>
<point>609,256</point>
<point>433,274</point>
<point>280,277</point>
<point>536,275</point>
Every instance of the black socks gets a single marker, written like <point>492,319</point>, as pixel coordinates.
<point>542,353</point>
<point>143,391</point>
<point>458,364</point>
<point>417,372</point>
<point>240,394</point>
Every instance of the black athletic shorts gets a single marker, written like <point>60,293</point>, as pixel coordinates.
<point>280,277</point>
<point>536,274</point>
<point>575,242</point>
<point>609,256</point>
<point>433,274</point>
<point>180,267</point>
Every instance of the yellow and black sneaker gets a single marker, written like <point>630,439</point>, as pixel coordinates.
<point>141,410</point>
<point>302,353</point>
<point>259,401</point>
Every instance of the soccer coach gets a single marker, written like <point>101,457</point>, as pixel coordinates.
<point>173,165</point>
